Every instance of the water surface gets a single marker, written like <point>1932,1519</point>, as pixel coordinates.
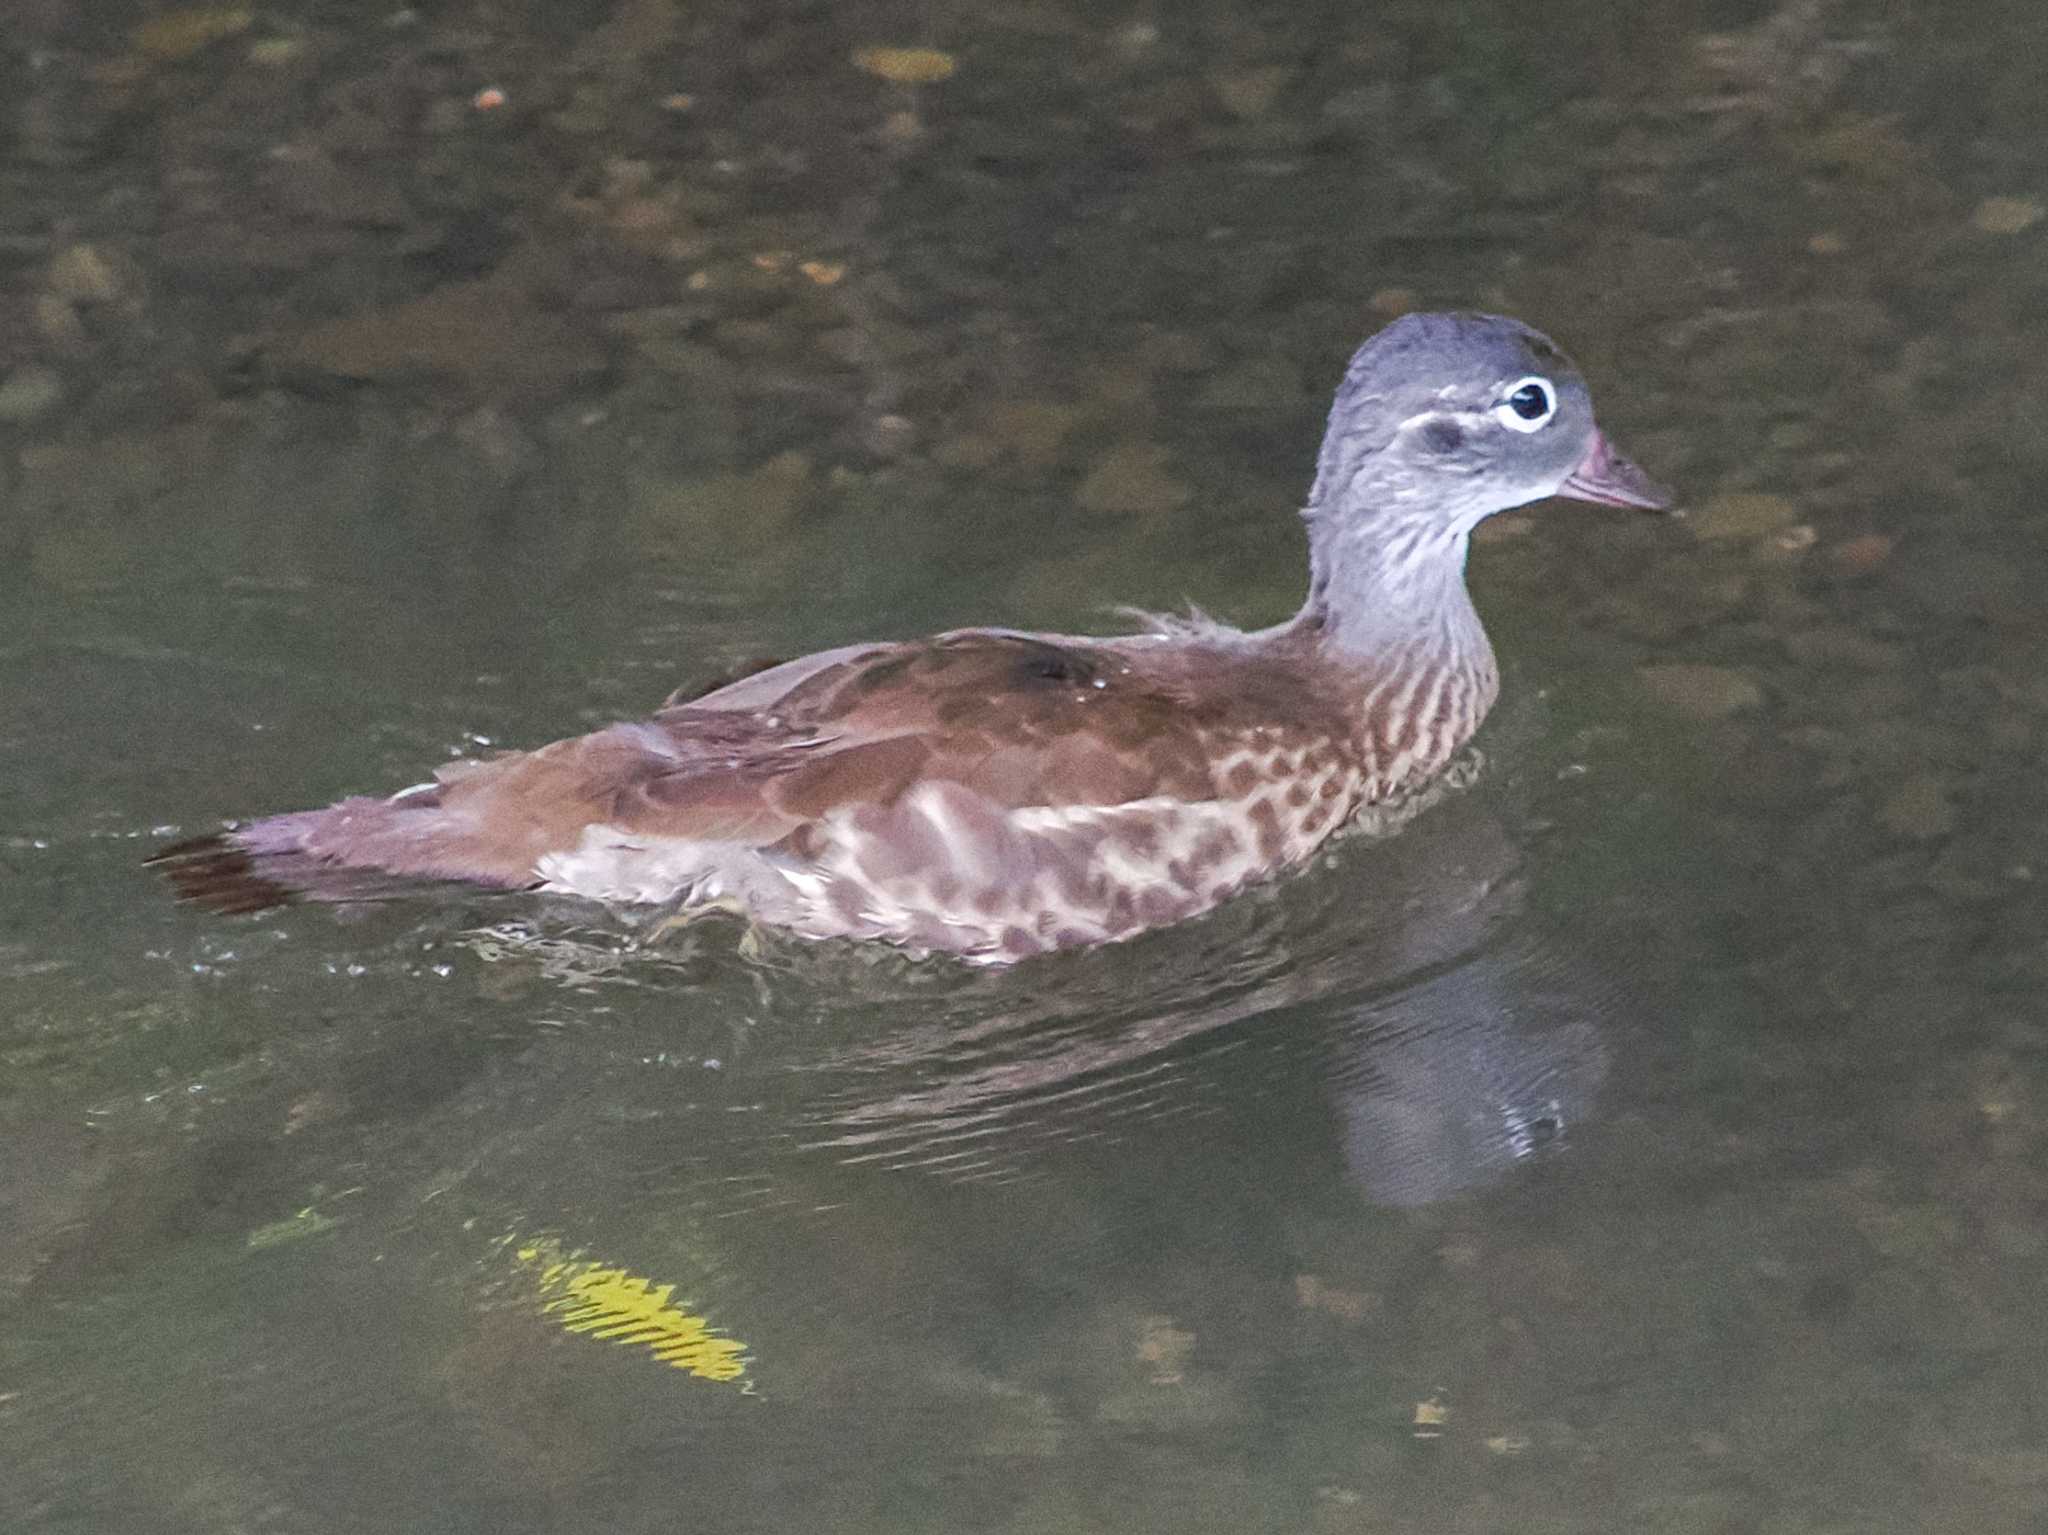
<point>1647,1137</point>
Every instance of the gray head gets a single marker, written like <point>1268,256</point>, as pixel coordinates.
<point>1444,419</point>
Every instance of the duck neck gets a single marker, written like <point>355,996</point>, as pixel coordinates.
<point>1387,600</point>
<point>1384,587</point>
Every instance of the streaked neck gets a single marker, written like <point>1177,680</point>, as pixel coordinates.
<point>1387,600</point>
<point>1385,589</point>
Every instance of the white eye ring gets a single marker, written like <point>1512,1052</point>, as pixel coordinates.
<point>1520,398</point>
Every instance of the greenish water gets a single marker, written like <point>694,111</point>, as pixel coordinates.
<point>1649,1137</point>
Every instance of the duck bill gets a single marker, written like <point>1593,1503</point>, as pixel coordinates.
<point>1608,479</point>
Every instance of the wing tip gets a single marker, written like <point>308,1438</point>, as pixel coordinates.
<point>218,874</point>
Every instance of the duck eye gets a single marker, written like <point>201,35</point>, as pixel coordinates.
<point>1528,405</point>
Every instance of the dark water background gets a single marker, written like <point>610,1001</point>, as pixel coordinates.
<point>1648,1138</point>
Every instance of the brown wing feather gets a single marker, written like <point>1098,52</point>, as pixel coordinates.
<point>1018,720</point>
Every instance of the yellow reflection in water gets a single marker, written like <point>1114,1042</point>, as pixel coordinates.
<point>611,1303</point>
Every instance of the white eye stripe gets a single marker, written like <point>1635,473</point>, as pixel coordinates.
<point>1527,405</point>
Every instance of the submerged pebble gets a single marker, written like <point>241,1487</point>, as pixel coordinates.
<point>84,274</point>
<point>1132,477</point>
<point>28,392</point>
<point>1743,515</point>
<point>2008,215</point>
<point>1919,809</point>
<point>1248,93</point>
<point>1700,692</point>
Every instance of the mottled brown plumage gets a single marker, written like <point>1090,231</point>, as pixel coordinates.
<point>996,794</point>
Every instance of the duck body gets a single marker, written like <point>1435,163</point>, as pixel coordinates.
<point>993,793</point>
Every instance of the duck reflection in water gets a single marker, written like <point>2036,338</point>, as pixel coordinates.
<point>1454,1080</point>
<point>1453,1037</point>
